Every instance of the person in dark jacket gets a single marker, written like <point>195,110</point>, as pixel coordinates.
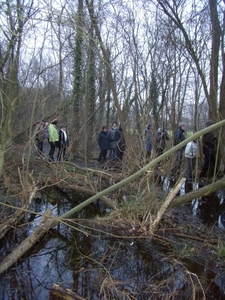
<point>114,137</point>
<point>160,141</point>
<point>178,155</point>
<point>104,143</point>
<point>63,143</point>
<point>209,151</point>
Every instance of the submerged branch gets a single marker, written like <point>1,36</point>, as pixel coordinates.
<point>215,186</point>
<point>47,222</point>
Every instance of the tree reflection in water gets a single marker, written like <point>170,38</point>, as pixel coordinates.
<point>95,265</point>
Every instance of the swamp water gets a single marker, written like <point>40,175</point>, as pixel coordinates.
<point>97,265</point>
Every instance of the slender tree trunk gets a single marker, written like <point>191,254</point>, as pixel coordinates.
<point>214,63</point>
<point>78,78</point>
<point>107,64</point>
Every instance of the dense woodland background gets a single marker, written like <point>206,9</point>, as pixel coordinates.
<point>90,63</point>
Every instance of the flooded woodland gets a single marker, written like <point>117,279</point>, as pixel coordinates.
<point>141,80</point>
<point>102,253</point>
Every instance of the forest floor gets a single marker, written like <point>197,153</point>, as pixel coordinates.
<point>185,236</point>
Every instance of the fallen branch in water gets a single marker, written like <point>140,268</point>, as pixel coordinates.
<point>206,190</point>
<point>165,204</point>
<point>47,222</point>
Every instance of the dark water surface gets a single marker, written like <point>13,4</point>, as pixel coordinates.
<point>93,264</point>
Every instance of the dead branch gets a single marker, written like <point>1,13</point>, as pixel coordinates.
<point>47,222</point>
<point>165,204</point>
<point>6,225</point>
<point>64,294</point>
<point>206,190</point>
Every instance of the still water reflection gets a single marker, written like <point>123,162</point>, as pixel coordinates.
<point>84,260</point>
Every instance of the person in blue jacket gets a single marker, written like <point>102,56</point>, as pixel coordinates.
<point>104,143</point>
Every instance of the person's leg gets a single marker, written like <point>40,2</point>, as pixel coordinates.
<point>113,153</point>
<point>193,163</point>
<point>110,153</point>
<point>213,167</point>
<point>59,154</point>
<point>148,153</point>
<point>104,153</point>
<point>52,150</point>
<point>205,167</point>
<point>40,146</point>
<point>100,156</point>
<point>188,172</point>
<point>64,152</point>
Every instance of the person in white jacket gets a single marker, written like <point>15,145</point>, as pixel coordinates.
<point>190,154</point>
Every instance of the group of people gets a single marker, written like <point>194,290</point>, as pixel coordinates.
<point>160,141</point>
<point>112,140</point>
<point>56,138</point>
<point>190,152</point>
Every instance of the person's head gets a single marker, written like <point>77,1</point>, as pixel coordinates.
<point>54,122</point>
<point>209,123</point>
<point>149,126</point>
<point>104,128</point>
<point>160,130</point>
<point>63,127</point>
<point>114,124</point>
<point>182,126</point>
<point>43,121</point>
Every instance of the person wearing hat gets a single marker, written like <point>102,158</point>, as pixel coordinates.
<point>178,155</point>
<point>209,152</point>
<point>39,134</point>
<point>63,143</point>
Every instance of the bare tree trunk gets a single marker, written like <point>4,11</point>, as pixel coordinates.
<point>107,63</point>
<point>214,63</point>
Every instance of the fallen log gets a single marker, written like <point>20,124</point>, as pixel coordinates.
<point>47,222</point>
<point>59,293</point>
<point>165,204</point>
<point>88,191</point>
<point>206,190</point>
